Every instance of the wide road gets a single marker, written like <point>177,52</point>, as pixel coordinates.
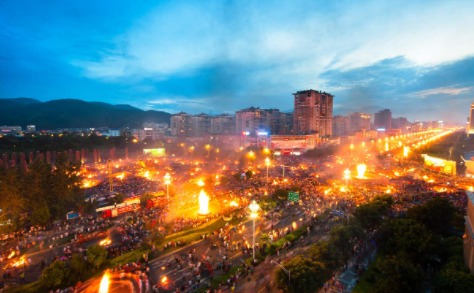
<point>159,268</point>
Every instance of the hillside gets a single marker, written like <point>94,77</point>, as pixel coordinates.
<point>74,113</point>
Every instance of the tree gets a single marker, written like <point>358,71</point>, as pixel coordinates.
<point>371,215</point>
<point>249,174</point>
<point>412,239</point>
<point>96,255</point>
<point>118,198</point>
<point>398,275</point>
<point>281,194</point>
<point>326,254</point>
<point>344,237</point>
<point>224,180</point>
<point>454,278</point>
<point>78,268</point>
<point>307,276</point>
<point>54,275</point>
<point>437,215</point>
<point>40,215</point>
<point>144,199</point>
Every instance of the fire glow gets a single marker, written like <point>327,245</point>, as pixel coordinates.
<point>104,283</point>
<point>203,203</point>
<point>361,168</point>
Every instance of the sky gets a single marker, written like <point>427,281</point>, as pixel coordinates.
<point>413,57</point>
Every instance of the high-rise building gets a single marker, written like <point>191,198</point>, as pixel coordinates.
<point>150,131</point>
<point>31,128</point>
<point>340,125</point>
<point>383,119</point>
<point>253,120</point>
<point>181,124</point>
<point>187,125</point>
<point>359,121</point>
<point>400,123</point>
<point>471,121</point>
<point>223,124</point>
<point>313,113</point>
<point>10,130</point>
<point>201,124</point>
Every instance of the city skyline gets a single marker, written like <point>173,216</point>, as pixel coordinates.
<point>218,58</point>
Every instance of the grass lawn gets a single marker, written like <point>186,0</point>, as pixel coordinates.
<point>365,283</point>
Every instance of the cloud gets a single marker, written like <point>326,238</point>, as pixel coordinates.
<point>442,90</point>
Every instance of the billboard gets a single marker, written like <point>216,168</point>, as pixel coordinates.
<point>160,152</point>
<point>440,165</point>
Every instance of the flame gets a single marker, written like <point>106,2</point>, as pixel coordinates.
<point>20,262</point>
<point>234,204</point>
<point>343,189</point>
<point>203,203</point>
<point>146,175</point>
<point>294,225</point>
<point>471,189</point>
<point>121,176</point>
<point>104,283</point>
<point>164,280</point>
<point>12,254</point>
<point>200,183</point>
<point>361,168</point>
<point>105,242</point>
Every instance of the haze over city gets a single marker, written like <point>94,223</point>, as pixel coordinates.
<point>229,146</point>
<point>220,56</point>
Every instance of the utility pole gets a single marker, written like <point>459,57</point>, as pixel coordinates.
<point>111,182</point>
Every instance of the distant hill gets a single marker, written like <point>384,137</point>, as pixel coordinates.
<point>74,113</point>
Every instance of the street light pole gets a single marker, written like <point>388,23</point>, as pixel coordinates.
<point>267,162</point>
<point>284,269</point>
<point>346,176</point>
<point>254,209</point>
<point>167,182</point>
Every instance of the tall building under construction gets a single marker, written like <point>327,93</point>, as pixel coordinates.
<point>313,113</point>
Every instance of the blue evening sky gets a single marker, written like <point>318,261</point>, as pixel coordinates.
<point>414,57</point>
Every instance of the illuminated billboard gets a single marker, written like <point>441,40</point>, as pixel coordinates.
<point>440,165</point>
<point>160,152</point>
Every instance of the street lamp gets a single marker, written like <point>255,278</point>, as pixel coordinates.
<point>267,162</point>
<point>208,148</point>
<point>347,175</point>
<point>167,182</point>
<point>254,209</point>
<point>284,269</point>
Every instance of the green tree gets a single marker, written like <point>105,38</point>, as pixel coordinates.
<point>118,198</point>
<point>144,199</point>
<point>437,215</point>
<point>325,253</point>
<point>55,275</point>
<point>306,275</point>
<point>281,194</point>
<point>40,215</point>
<point>344,237</point>
<point>371,215</point>
<point>412,239</point>
<point>224,180</point>
<point>249,174</point>
<point>398,275</point>
<point>78,268</point>
<point>96,255</point>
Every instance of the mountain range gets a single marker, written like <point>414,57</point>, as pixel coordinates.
<point>74,113</point>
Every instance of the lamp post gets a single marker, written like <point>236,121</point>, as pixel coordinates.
<point>283,166</point>
<point>167,182</point>
<point>284,269</point>
<point>254,209</point>
<point>267,162</point>
<point>208,148</point>
<point>347,175</point>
